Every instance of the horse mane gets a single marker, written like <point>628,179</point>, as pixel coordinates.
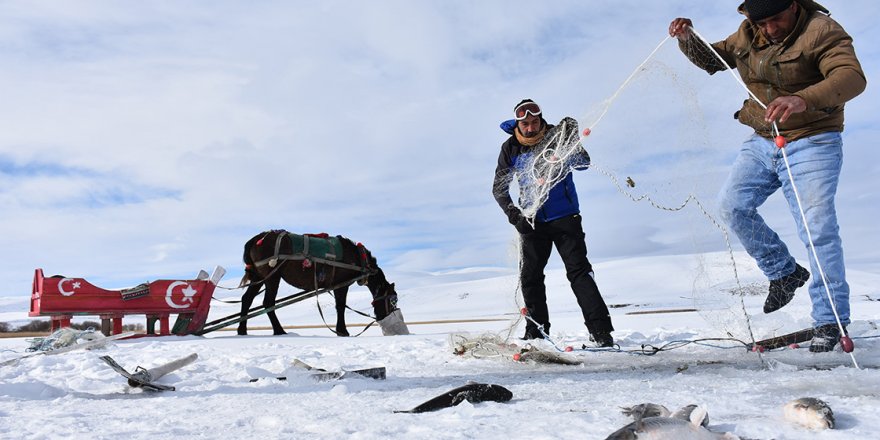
<point>371,260</point>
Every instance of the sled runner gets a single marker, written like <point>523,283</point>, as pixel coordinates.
<point>783,341</point>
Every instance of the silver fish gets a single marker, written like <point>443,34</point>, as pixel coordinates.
<point>645,410</point>
<point>669,428</point>
<point>685,414</point>
<point>809,412</point>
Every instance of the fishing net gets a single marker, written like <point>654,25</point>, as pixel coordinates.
<point>652,140</point>
<point>63,337</point>
<point>553,159</point>
<point>487,345</point>
<point>676,170</point>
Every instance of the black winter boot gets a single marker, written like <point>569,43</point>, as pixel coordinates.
<point>602,339</point>
<point>782,290</point>
<point>532,331</point>
<point>825,338</point>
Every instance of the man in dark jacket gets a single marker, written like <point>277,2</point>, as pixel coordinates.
<point>556,216</point>
<point>802,64</point>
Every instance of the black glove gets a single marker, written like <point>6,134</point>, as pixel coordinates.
<point>516,218</point>
<point>523,226</point>
<point>583,158</point>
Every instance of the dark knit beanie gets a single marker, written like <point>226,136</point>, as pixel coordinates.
<point>761,9</point>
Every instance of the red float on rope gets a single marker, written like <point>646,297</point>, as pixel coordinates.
<point>780,141</point>
<point>847,344</point>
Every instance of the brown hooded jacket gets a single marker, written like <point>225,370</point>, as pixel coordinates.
<point>816,62</point>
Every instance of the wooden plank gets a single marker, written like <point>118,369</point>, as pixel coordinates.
<point>437,321</point>
<point>653,312</point>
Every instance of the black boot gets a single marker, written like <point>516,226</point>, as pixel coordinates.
<point>825,337</point>
<point>532,331</point>
<point>602,339</point>
<point>782,290</point>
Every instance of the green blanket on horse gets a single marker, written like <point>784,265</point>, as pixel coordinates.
<point>317,246</point>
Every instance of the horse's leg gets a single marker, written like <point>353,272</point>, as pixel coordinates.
<point>341,294</point>
<point>246,301</point>
<point>269,301</point>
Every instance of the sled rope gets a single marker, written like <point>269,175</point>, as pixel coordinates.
<point>797,197</point>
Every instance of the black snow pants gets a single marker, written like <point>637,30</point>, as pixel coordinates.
<point>567,234</point>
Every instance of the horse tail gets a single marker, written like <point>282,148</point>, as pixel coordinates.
<point>250,271</point>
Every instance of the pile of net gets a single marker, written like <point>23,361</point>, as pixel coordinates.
<point>482,345</point>
<point>63,337</point>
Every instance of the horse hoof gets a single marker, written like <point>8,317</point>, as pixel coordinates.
<point>279,333</point>
<point>242,332</point>
<point>342,334</point>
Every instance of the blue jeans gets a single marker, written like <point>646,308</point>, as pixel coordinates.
<point>758,172</point>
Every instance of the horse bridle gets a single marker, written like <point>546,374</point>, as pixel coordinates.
<point>389,296</point>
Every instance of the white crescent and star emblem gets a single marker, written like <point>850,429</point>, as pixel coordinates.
<point>74,286</point>
<point>188,293</point>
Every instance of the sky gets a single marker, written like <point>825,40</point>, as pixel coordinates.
<point>146,140</point>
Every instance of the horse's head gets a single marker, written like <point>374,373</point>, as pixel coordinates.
<point>384,295</point>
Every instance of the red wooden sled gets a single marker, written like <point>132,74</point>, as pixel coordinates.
<point>62,298</point>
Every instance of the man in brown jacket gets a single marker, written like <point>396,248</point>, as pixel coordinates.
<point>802,67</point>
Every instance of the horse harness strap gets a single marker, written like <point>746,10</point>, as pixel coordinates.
<point>321,311</point>
<point>306,258</point>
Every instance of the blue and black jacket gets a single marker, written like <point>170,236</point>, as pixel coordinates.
<point>562,201</point>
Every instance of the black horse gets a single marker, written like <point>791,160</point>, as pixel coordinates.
<point>270,257</point>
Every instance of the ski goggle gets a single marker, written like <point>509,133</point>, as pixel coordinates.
<point>525,109</point>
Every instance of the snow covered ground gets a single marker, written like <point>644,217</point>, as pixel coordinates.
<point>77,395</point>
